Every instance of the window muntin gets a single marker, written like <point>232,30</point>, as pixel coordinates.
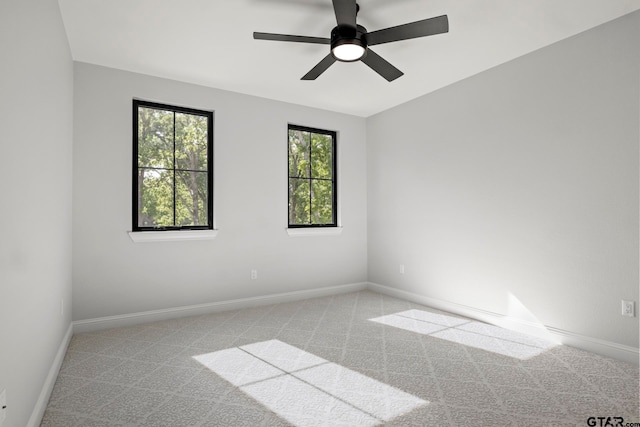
<point>312,177</point>
<point>172,167</point>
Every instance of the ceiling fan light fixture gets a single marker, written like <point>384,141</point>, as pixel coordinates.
<point>349,41</point>
<point>348,52</point>
<point>348,44</point>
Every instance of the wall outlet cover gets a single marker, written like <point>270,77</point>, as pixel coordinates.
<point>629,308</point>
<point>3,406</point>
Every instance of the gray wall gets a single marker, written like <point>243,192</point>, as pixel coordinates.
<point>36,95</point>
<point>112,275</point>
<point>518,182</point>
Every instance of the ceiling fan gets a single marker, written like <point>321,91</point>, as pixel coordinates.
<point>350,42</point>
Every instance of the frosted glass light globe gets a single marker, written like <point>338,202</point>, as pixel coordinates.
<point>348,52</point>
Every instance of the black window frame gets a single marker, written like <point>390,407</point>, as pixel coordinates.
<point>175,109</point>
<point>334,176</point>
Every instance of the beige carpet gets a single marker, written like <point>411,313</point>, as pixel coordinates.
<point>357,359</point>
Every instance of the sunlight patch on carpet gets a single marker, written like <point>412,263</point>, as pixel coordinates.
<point>305,389</point>
<point>468,332</point>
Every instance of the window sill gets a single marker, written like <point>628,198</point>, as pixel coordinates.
<point>170,236</point>
<point>310,232</point>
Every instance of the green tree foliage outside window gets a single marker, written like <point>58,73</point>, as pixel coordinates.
<point>312,177</point>
<point>172,177</point>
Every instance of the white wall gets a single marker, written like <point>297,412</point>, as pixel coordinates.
<point>36,95</point>
<point>112,275</point>
<point>523,181</point>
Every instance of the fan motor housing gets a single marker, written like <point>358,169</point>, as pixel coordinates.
<point>348,35</point>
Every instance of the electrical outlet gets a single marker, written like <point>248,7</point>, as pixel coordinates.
<point>3,406</point>
<point>254,274</point>
<point>629,308</point>
<point>401,268</point>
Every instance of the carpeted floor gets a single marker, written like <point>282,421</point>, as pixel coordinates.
<point>355,359</point>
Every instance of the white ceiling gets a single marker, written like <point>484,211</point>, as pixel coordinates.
<point>210,42</point>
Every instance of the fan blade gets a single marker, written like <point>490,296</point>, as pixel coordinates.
<point>381,66</point>
<point>290,38</point>
<point>320,68</point>
<point>346,11</point>
<point>426,27</point>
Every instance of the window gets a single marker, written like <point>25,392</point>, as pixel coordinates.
<point>312,177</point>
<point>172,167</point>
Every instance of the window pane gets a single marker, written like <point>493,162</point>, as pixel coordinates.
<point>299,153</point>
<point>172,180</point>
<point>155,198</point>
<point>191,142</point>
<point>321,156</point>
<point>191,198</point>
<point>321,202</point>
<point>155,138</point>
<point>299,205</point>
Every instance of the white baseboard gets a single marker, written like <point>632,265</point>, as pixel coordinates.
<point>90,325</point>
<point>47,388</point>
<point>594,345</point>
